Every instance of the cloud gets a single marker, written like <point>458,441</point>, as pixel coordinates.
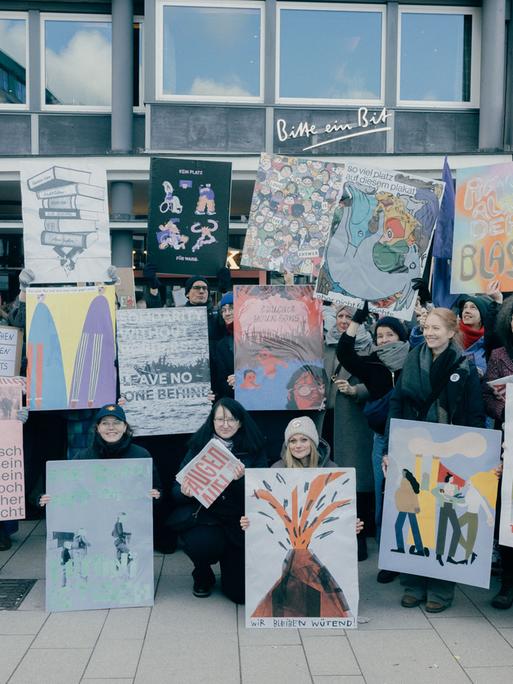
<point>81,72</point>
<point>470,444</point>
<point>207,86</point>
<point>13,40</point>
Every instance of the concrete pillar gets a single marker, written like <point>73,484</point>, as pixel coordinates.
<point>493,46</point>
<point>121,201</point>
<point>121,241</point>
<point>122,76</point>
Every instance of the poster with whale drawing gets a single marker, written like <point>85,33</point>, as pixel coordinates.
<point>381,241</point>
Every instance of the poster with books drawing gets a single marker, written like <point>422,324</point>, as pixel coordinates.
<point>65,221</point>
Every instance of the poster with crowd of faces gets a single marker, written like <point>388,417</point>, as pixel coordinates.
<point>66,236</point>
<point>482,250</point>
<point>301,557</point>
<point>189,215</point>
<point>381,240</point>
<point>291,212</point>
<point>439,507</point>
<point>99,534</point>
<point>164,373</point>
<point>71,352</point>
<point>506,522</point>
<point>278,348</point>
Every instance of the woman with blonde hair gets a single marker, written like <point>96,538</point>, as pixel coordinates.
<point>303,448</point>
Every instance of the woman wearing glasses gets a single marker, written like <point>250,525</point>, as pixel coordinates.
<point>214,535</point>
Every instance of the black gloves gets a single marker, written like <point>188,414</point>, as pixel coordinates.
<point>422,287</point>
<point>360,315</point>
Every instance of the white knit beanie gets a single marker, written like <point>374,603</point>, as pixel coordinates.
<point>302,426</point>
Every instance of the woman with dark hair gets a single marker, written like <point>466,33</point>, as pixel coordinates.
<point>407,504</point>
<point>214,535</point>
<point>305,389</point>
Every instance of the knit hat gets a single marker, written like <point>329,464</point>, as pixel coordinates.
<point>226,299</point>
<point>113,410</point>
<point>302,426</point>
<point>394,324</point>
<point>194,279</point>
<point>482,304</point>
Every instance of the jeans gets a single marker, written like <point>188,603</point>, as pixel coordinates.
<point>378,449</point>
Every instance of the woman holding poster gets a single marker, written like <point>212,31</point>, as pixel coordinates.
<point>438,385</point>
<point>212,535</point>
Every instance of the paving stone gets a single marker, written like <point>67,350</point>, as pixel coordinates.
<point>25,622</point>
<point>490,675</point>
<point>126,623</point>
<point>481,598</point>
<point>268,637</point>
<point>28,561</point>
<point>216,661</point>
<point>274,665</point>
<point>475,642</point>
<point>178,563</point>
<point>404,656</point>
<point>114,658</point>
<point>462,606</point>
<point>58,666</point>
<point>507,634</point>
<point>106,681</point>
<point>76,629</point>
<point>35,599</point>
<point>12,650</point>
<point>330,655</point>
<point>338,679</point>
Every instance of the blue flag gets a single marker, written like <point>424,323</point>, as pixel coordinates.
<point>442,245</point>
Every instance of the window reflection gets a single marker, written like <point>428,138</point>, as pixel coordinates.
<point>78,62</point>
<point>328,54</point>
<point>436,57</point>
<point>222,58</point>
<point>13,46</point>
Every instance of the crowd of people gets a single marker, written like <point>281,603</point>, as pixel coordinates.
<point>436,369</point>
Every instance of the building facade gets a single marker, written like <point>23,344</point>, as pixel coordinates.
<point>392,84</point>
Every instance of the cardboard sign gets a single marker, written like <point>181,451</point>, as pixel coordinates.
<point>210,472</point>
<point>12,474</point>
<point>11,341</point>
<point>125,289</point>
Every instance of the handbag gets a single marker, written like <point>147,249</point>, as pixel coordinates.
<point>376,411</point>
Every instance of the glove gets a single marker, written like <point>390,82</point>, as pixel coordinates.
<point>26,277</point>
<point>421,286</point>
<point>22,414</point>
<point>360,315</point>
<point>112,272</point>
<point>150,273</point>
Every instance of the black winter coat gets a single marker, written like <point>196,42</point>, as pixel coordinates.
<point>370,370</point>
<point>224,366</point>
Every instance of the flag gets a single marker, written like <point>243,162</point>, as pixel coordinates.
<point>442,245</point>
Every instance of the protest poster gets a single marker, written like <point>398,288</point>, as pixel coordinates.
<point>66,236</point>
<point>10,401</point>
<point>291,212</point>
<point>70,347</point>
<point>439,507</point>
<point>164,372</point>
<point>189,215</point>
<point>482,247</point>
<point>301,556</point>
<point>12,473</point>
<point>278,348</point>
<point>210,472</point>
<point>380,240</point>
<point>125,289</point>
<point>506,520</point>
<point>99,534</point>
<point>11,342</point>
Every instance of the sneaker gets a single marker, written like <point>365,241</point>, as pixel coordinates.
<point>201,590</point>
<point>504,599</point>
<point>386,576</point>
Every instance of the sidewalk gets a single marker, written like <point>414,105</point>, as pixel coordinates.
<point>184,640</point>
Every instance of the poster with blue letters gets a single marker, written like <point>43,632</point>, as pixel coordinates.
<point>189,215</point>
<point>99,539</point>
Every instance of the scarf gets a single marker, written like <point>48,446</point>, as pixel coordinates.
<point>108,449</point>
<point>433,378</point>
<point>393,354</point>
<point>362,343</point>
<point>470,335</point>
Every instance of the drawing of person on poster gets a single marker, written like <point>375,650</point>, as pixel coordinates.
<point>278,348</point>
<point>385,224</point>
<point>188,224</point>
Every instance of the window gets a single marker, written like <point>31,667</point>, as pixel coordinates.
<point>439,57</point>
<point>77,61</point>
<point>209,51</point>
<point>13,59</point>
<point>330,53</point>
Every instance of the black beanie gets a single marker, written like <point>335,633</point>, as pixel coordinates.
<point>394,324</point>
<point>194,279</point>
<point>481,302</point>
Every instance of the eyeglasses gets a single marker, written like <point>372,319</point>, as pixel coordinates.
<point>305,390</point>
<point>229,421</point>
<point>111,422</point>
<point>199,287</point>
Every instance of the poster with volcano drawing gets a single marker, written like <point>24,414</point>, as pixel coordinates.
<point>301,557</point>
